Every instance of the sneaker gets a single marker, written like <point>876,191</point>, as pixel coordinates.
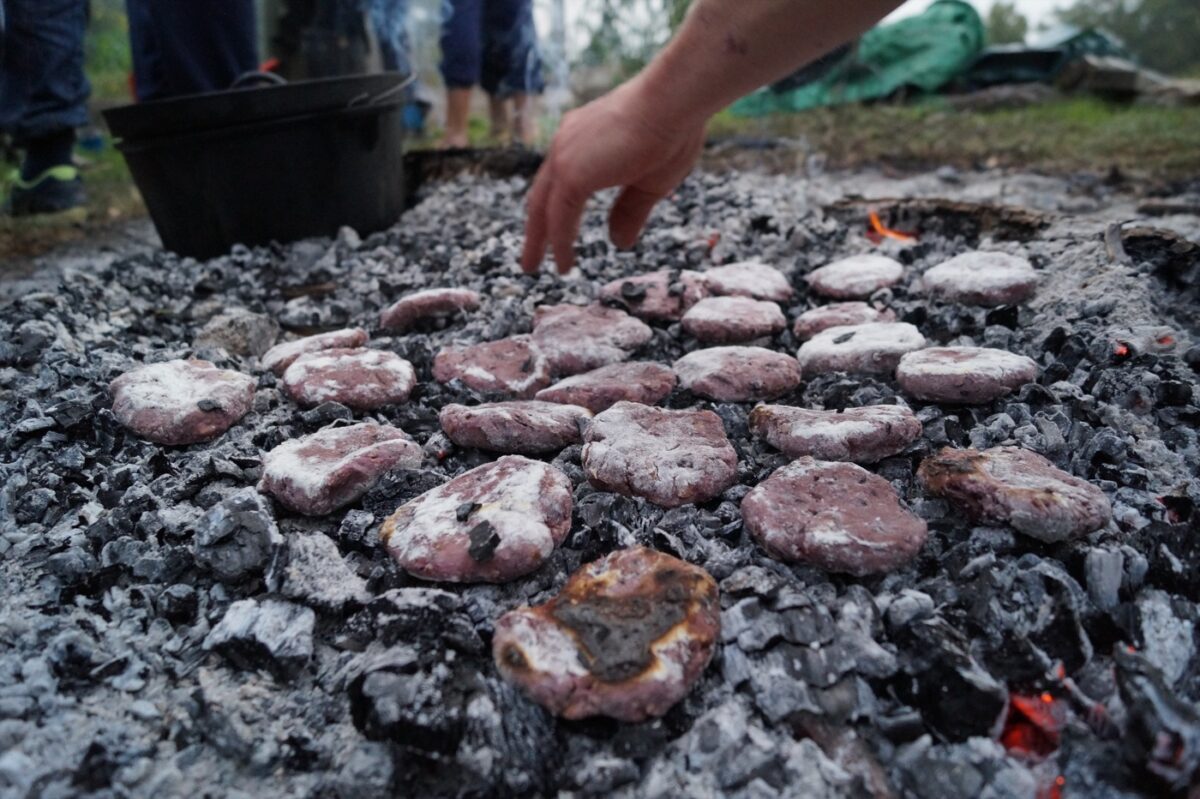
<point>55,190</point>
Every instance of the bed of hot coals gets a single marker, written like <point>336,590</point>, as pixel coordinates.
<point>168,630</point>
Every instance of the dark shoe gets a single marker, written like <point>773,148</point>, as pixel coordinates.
<point>55,190</point>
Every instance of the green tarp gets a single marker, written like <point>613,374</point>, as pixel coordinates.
<point>922,53</point>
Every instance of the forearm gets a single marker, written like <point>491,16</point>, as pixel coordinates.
<point>727,48</point>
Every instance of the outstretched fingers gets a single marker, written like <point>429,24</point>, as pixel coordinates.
<point>629,214</point>
<point>565,213</point>
<point>536,221</point>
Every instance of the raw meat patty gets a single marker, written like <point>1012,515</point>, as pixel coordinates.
<point>600,389</point>
<point>181,402</point>
<point>280,357</point>
<point>513,366</point>
<point>730,320</point>
<point>738,374</point>
<point>968,375</point>
<point>578,339</point>
<point>428,304</point>
<point>859,435</point>
<point>856,277</point>
<point>873,348</point>
<point>522,427</point>
<point>357,378</point>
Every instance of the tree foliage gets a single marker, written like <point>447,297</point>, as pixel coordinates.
<point>627,33</point>
<point>1161,34</point>
<point>1005,24</point>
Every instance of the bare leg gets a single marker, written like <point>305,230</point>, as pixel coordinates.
<point>499,111</point>
<point>524,123</point>
<point>458,110</point>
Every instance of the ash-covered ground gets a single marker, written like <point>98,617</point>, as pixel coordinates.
<point>992,666</point>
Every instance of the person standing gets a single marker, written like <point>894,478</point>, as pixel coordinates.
<point>190,46</point>
<point>43,99</point>
<point>492,44</point>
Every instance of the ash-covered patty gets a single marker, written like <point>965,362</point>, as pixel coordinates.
<point>837,516</point>
<point>495,523</point>
<point>738,374</point>
<point>982,278</point>
<point>181,401</point>
<point>521,427</point>
<point>361,379</point>
<point>838,314</point>
<point>657,296</point>
<point>626,637</point>
<point>578,339</point>
<point>598,390</point>
<point>513,366</point>
<point>859,435</point>
<point>730,320</point>
<point>872,348</point>
<point>1021,488</point>
<point>669,457</point>
<point>856,277</point>
<point>748,279</point>
<point>281,356</point>
<point>324,471</point>
<point>428,304</point>
<point>968,375</point>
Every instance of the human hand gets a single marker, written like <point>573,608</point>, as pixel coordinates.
<point>617,140</point>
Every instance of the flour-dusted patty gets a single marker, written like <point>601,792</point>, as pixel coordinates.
<point>329,469</point>
<point>731,320</point>
<point>859,435</point>
<point>495,523</point>
<point>281,356</point>
<point>748,279</point>
<point>513,366</point>
<point>578,339</point>
<point>1021,488</point>
<point>522,427</point>
<point>668,457</point>
<point>738,374</point>
<point>982,278</point>
<point>600,389</point>
<point>856,277</point>
<point>838,314</point>
<point>181,401</point>
<point>968,375</point>
<point>657,296</point>
<point>626,637</point>
<point>837,516</point>
<point>359,378</point>
<point>872,348</point>
<point>428,304</point>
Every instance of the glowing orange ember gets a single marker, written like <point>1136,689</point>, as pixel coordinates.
<point>1033,725</point>
<point>1166,340</point>
<point>1121,349</point>
<point>880,231</point>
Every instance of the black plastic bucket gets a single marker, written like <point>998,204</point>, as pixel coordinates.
<point>278,178</point>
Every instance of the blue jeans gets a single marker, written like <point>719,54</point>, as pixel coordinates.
<point>43,90</point>
<point>190,46</point>
<point>493,44</point>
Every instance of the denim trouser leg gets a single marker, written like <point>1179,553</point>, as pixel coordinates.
<point>462,43</point>
<point>187,47</point>
<point>42,86</point>
<point>511,63</point>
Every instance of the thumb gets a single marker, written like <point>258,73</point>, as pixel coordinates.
<point>629,214</point>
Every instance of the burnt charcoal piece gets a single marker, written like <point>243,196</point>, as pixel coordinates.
<point>982,278</point>
<point>522,427</point>
<point>748,279</point>
<point>657,296</point>
<point>316,575</point>
<point>526,503</point>
<point>357,378</point>
<point>872,348</point>
<point>1164,729</point>
<point>856,277</point>
<point>600,389</point>
<point>429,304</point>
<point>839,314</point>
<point>239,332</point>
<point>181,402</point>
<point>859,435</point>
<point>237,538</point>
<point>1014,486</point>
<point>668,457</point>
<point>271,634</point>
<point>738,374</point>
<point>837,516</point>
<point>280,357</point>
<point>627,637</point>
<point>513,366</point>
<point>578,339</point>
<point>964,375</point>
<point>730,320</point>
<point>331,468</point>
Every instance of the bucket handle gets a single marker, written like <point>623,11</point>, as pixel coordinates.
<point>257,78</point>
<point>366,99</point>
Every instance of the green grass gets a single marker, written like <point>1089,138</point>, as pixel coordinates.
<point>1058,136</point>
